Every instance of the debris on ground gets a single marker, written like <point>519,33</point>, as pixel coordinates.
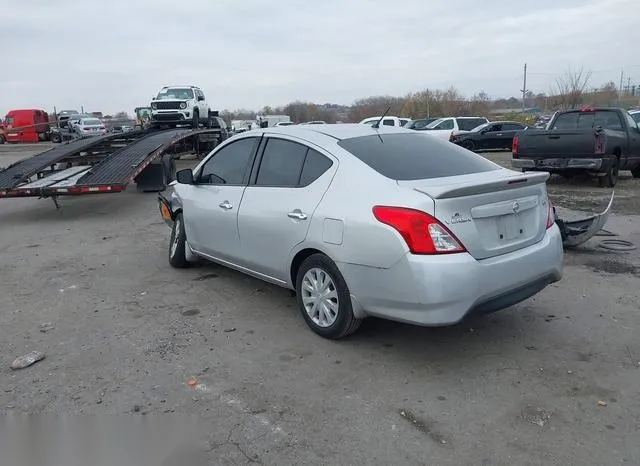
<point>27,360</point>
<point>192,382</point>
<point>45,327</point>
<point>602,403</point>
<point>537,415</point>
<point>228,330</point>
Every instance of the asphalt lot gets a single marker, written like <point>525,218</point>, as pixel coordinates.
<point>553,381</point>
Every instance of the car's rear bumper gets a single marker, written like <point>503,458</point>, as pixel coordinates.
<point>592,163</point>
<point>443,290</point>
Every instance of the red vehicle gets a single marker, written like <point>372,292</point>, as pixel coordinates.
<point>30,125</point>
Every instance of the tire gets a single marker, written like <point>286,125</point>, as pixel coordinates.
<point>636,172</point>
<point>178,245</point>
<point>2,139</point>
<point>469,145</point>
<point>610,179</point>
<point>195,121</point>
<point>56,137</point>
<point>334,325</point>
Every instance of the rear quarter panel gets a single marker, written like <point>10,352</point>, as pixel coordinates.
<point>354,191</point>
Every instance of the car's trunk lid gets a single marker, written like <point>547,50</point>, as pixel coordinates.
<point>491,213</point>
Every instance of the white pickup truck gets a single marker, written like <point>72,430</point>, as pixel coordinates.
<point>387,121</point>
<point>443,127</point>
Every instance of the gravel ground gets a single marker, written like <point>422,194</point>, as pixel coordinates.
<point>553,381</point>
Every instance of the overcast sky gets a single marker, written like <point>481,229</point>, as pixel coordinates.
<point>113,55</point>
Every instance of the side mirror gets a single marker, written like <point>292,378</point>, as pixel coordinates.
<point>200,98</point>
<point>185,176</point>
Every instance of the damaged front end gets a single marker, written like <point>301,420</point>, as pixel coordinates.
<point>576,232</point>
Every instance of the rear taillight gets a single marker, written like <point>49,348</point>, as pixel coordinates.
<point>598,145</point>
<point>550,215</point>
<point>85,129</point>
<point>515,145</point>
<point>423,233</point>
<point>102,127</point>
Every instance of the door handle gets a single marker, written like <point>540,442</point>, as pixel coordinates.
<point>226,205</point>
<point>297,214</point>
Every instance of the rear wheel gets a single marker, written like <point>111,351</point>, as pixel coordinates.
<point>324,298</point>
<point>469,145</point>
<point>610,178</point>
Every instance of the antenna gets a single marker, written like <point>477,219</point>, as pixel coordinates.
<point>376,125</point>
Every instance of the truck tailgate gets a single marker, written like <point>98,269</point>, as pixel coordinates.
<point>556,143</point>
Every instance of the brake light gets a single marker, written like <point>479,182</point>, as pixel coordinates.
<point>550,215</point>
<point>423,233</point>
<point>587,109</point>
<point>515,145</point>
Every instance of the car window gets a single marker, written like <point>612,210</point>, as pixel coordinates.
<point>467,124</point>
<point>512,127</point>
<point>403,121</point>
<point>446,124</point>
<point>636,117</point>
<point>608,119</point>
<point>315,164</point>
<point>281,163</point>
<point>388,122</point>
<point>415,156</point>
<point>630,121</point>
<point>229,164</point>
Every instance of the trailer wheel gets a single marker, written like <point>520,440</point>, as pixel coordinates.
<point>56,137</point>
<point>2,139</point>
<point>178,244</point>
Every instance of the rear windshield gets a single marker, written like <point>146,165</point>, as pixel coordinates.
<point>467,124</point>
<point>583,120</point>
<point>415,156</point>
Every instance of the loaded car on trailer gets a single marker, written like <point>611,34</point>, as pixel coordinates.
<point>180,105</point>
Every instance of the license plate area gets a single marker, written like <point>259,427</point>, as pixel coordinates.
<point>510,227</point>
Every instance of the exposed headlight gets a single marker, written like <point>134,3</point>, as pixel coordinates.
<point>154,106</point>
<point>183,105</point>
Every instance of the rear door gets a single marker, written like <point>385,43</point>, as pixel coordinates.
<point>211,206</point>
<point>286,187</point>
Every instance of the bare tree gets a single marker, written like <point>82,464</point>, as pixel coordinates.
<point>570,87</point>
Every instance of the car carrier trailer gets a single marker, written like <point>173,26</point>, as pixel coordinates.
<point>105,164</point>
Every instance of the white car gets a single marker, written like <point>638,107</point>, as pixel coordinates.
<point>90,127</point>
<point>443,127</point>
<point>176,105</point>
<point>635,114</point>
<point>386,121</point>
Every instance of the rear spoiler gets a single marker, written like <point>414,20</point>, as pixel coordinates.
<point>502,184</point>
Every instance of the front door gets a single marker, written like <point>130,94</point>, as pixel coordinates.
<point>278,205</point>
<point>210,207</point>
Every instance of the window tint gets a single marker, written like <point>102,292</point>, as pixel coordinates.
<point>415,156</point>
<point>404,121</point>
<point>512,127</point>
<point>636,117</point>
<point>582,120</point>
<point>467,124</point>
<point>388,122</point>
<point>281,163</point>
<point>314,166</point>
<point>229,164</point>
<point>446,124</point>
<point>494,128</point>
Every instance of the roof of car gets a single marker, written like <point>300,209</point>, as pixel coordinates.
<point>336,131</point>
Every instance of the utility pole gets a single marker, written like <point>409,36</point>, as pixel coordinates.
<point>620,88</point>
<point>628,91</point>
<point>524,88</point>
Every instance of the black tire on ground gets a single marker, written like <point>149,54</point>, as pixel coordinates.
<point>636,172</point>
<point>610,179</point>
<point>469,145</point>
<point>178,244</point>
<point>2,139</point>
<point>344,321</point>
<point>195,122</point>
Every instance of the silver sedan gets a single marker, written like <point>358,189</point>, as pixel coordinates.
<point>363,222</point>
